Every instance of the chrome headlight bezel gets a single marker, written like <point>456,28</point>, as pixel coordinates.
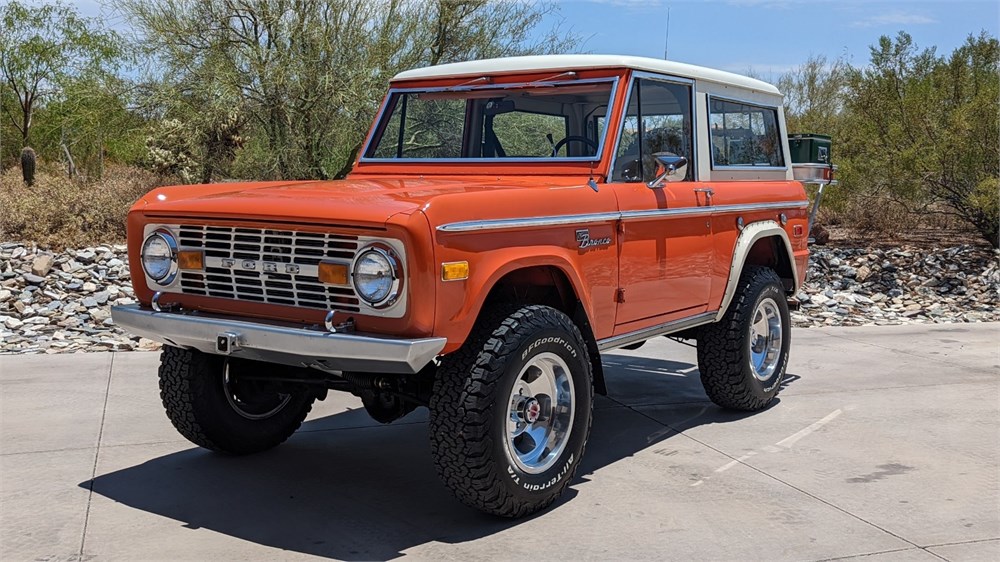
<point>171,242</point>
<point>392,293</point>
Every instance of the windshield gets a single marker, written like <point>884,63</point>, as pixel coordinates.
<point>527,121</point>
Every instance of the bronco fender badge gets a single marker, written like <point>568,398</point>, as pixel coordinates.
<point>585,241</point>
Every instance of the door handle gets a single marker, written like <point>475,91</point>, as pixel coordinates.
<point>708,194</point>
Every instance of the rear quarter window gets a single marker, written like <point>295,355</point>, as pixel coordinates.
<point>744,135</point>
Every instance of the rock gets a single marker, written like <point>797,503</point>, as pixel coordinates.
<point>68,308</point>
<point>100,314</point>
<point>86,256</point>
<point>863,273</point>
<point>820,235</point>
<point>42,265</point>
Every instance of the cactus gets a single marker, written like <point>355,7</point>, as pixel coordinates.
<point>28,165</point>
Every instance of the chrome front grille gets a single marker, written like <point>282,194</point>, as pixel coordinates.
<point>268,265</point>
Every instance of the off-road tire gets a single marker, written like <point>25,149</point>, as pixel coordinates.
<point>724,347</point>
<point>193,394</point>
<point>469,410</point>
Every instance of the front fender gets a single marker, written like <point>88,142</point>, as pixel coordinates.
<point>460,302</point>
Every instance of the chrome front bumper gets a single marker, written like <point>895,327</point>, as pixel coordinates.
<point>280,343</point>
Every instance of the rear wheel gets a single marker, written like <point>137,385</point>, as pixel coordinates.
<point>742,358</point>
<point>511,411</point>
<point>217,402</point>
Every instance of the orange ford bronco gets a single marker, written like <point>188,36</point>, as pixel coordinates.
<point>505,223</point>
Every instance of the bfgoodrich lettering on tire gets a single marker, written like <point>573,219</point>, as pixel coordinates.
<point>742,358</point>
<point>511,411</point>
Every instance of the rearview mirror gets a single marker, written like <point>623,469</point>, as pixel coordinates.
<point>669,167</point>
<point>497,106</point>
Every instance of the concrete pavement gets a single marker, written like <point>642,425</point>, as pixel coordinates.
<point>884,445</point>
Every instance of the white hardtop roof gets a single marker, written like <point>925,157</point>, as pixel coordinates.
<point>511,65</point>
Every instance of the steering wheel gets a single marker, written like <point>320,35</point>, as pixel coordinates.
<point>572,138</point>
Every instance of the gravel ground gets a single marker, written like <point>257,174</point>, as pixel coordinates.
<point>61,302</point>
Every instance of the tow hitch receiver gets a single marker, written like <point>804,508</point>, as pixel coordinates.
<point>227,342</point>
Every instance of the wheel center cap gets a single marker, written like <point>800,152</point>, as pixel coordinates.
<point>532,410</point>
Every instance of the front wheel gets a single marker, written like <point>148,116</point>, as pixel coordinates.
<point>511,411</point>
<point>218,403</point>
<point>742,358</point>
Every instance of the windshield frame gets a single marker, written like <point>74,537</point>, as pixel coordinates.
<point>381,122</point>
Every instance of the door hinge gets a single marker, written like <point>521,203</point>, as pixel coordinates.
<point>621,227</point>
<point>620,295</point>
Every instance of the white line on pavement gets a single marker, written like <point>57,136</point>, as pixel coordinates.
<point>787,442</point>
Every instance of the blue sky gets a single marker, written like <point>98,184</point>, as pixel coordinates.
<point>770,36</point>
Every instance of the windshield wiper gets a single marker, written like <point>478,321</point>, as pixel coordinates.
<point>542,82</point>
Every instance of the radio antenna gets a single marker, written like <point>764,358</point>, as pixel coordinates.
<point>666,40</point>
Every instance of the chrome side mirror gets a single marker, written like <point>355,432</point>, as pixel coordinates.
<point>669,167</point>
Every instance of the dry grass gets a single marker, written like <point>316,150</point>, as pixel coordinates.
<point>60,212</point>
<point>881,222</point>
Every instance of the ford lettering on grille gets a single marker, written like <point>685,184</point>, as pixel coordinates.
<point>268,265</point>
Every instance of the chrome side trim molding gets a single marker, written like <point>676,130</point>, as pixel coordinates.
<point>558,220</point>
<point>614,342</point>
<point>750,234</point>
<point>714,210</point>
<point>498,224</point>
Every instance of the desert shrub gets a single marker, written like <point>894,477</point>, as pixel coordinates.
<point>58,212</point>
<point>170,151</point>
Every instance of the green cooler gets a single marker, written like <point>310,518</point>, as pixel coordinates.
<point>809,148</point>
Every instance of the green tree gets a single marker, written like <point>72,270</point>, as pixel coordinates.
<point>814,95</point>
<point>43,49</point>
<point>923,129</point>
<point>306,76</point>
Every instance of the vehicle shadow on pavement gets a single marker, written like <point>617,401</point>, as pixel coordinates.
<point>343,488</point>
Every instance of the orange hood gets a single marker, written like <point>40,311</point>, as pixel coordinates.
<point>357,201</point>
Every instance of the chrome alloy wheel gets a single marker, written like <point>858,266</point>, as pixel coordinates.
<point>250,401</point>
<point>540,416</point>
<point>765,339</point>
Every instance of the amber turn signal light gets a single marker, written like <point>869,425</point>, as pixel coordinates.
<point>190,259</point>
<point>454,271</point>
<point>333,273</point>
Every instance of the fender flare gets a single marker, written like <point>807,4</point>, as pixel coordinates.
<point>752,233</point>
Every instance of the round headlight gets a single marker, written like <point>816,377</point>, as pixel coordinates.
<point>375,276</point>
<point>159,253</point>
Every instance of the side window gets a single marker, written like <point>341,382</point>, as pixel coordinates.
<point>526,134</point>
<point>744,135</point>
<point>658,119</point>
